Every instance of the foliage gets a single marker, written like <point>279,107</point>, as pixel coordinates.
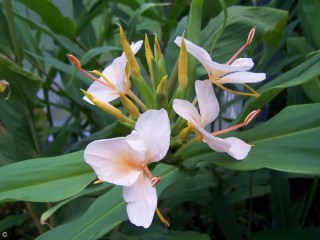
<point>272,194</point>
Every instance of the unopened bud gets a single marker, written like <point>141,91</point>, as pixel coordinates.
<point>183,135</point>
<point>104,106</point>
<point>130,106</point>
<point>149,55</point>
<point>183,66</point>
<point>128,52</point>
<point>157,49</point>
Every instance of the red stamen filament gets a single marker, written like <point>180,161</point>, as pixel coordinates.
<point>249,40</point>
<point>248,119</point>
<point>154,180</point>
<point>76,63</point>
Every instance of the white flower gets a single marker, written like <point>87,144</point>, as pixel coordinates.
<point>122,161</point>
<point>118,79</point>
<point>236,72</point>
<point>209,110</point>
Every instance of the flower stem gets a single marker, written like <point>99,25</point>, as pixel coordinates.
<point>137,100</point>
<point>236,92</point>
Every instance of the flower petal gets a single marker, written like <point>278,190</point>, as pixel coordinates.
<point>152,135</point>
<point>244,64</point>
<point>135,47</point>
<point>187,111</point>
<point>215,143</point>
<point>239,149</point>
<point>243,77</point>
<point>102,92</point>
<point>116,73</point>
<point>142,201</point>
<point>198,52</point>
<point>114,161</point>
<point>235,147</point>
<point>207,101</point>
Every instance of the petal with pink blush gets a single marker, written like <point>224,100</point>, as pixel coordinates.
<point>114,161</point>
<point>142,201</point>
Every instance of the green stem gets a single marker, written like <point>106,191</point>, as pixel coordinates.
<point>236,92</point>
<point>137,100</point>
<point>12,31</point>
<point>313,190</point>
<point>35,217</point>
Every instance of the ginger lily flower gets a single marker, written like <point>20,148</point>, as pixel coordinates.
<point>123,161</point>
<point>113,78</point>
<point>236,72</point>
<point>209,110</point>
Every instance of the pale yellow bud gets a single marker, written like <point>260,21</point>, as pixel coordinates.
<point>105,106</point>
<point>149,55</point>
<point>183,66</point>
<point>130,106</point>
<point>157,49</point>
<point>128,52</point>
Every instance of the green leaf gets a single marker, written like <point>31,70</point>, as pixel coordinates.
<point>308,14</point>
<point>106,212</point>
<point>45,179</point>
<point>19,136</point>
<point>96,51</point>
<point>94,189</point>
<point>240,21</point>
<point>225,215</point>
<point>51,16</point>
<point>13,221</point>
<point>310,233</point>
<point>287,142</point>
<point>301,74</point>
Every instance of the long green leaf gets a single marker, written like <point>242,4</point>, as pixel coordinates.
<point>288,142</point>
<point>301,74</point>
<point>51,16</point>
<point>106,212</point>
<point>45,179</point>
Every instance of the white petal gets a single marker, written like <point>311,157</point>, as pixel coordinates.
<point>245,64</point>
<point>116,73</point>
<point>225,68</point>
<point>207,101</point>
<point>114,161</point>
<point>142,201</point>
<point>243,77</point>
<point>186,110</point>
<point>135,47</point>
<point>152,134</point>
<point>215,143</point>
<point>102,92</point>
<point>239,149</point>
<point>235,147</point>
<point>198,52</point>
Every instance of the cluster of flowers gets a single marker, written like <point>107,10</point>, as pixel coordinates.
<point>123,160</point>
